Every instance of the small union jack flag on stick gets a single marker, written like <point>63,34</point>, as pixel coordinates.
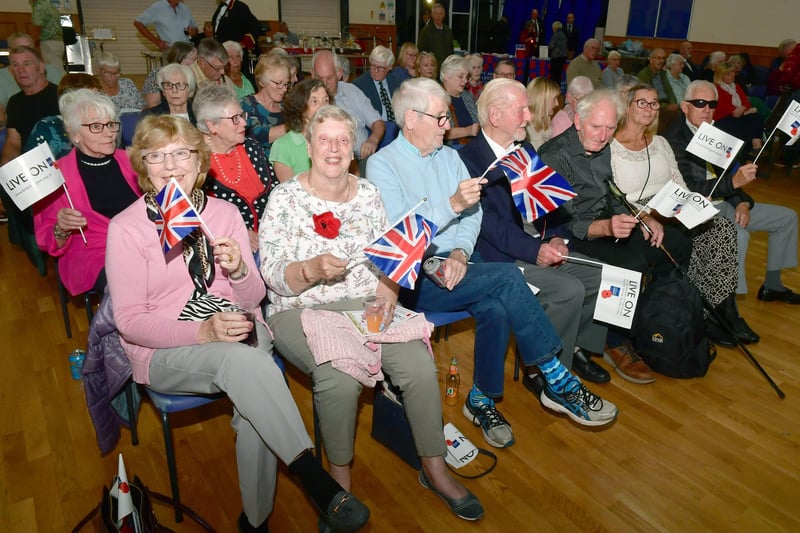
<point>537,189</point>
<point>177,217</point>
<point>398,252</point>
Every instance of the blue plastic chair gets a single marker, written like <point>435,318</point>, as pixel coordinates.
<point>444,319</point>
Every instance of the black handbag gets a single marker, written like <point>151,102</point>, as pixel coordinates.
<point>390,426</point>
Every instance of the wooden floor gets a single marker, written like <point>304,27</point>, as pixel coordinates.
<point>720,453</point>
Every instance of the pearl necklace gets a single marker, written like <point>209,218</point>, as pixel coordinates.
<point>90,164</point>
<point>222,169</point>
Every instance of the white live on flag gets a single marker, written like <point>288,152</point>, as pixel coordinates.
<point>714,145</point>
<point>31,176</point>
<point>689,207</point>
<point>617,297</point>
<point>790,122</point>
<point>122,491</point>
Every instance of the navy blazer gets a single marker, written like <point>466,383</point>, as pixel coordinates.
<point>502,237</point>
<point>367,86</point>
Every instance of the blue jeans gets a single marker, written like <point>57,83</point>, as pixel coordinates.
<point>500,301</point>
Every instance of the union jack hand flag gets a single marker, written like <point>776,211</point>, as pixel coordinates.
<point>398,252</point>
<point>176,215</point>
<point>537,189</point>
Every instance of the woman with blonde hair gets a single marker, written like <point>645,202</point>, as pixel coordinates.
<point>426,65</point>
<point>543,101</point>
<point>405,66</point>
<point>264,108</point>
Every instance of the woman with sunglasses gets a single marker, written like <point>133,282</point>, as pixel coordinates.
<point>264,109</point>
<point>177,88</point>
<point>642,163</point>
<point>101,183</point>
<point>240,172</point>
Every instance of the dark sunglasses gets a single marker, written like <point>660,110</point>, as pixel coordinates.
<point>700,103</point>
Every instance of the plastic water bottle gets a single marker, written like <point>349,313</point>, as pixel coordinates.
<point>76,358</point>
<point>451,383</point>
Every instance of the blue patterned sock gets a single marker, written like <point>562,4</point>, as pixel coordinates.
<point>556,374</point>
<point>476,397</point>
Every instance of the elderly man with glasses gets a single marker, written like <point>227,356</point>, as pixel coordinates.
<point>733,203</point>
<point>376,83</point>
<point>209,67</point>
<point>417,166</point>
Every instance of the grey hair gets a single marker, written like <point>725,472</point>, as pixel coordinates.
<point>211,48</point>
<point>672,58</point>
<point>716,57</point>
<point>624,83</point>
<point>451,64</point>
<point>557,26</point>
<point>331,112</point>
<point>209,102</point>
<point>75,104</point>
<point>497,92</point>
<point>416,94</point>
<point>381,56</point>
<point>174,68</point>
<point>591,100</point>
<point>580,86</point>
<point>106,59</point>
<point>318,53</point>
<point>233,46</point>
<point>613,53</point>
<point>697,84</point>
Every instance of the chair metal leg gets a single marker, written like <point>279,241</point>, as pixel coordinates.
<point>63,298</point>
<point>317,433</point>
<point>132,412</point>
<point>517,363</point>
<point>173,471</point>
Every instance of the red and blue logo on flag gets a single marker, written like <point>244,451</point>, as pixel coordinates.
<point>537,189</point>
<point>176,215</point>
<point>398,253</point>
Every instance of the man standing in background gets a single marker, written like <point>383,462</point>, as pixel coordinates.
<point>172,19</point>
<point>436,37</point>
<point>573,37</point>
<point>46,28</point>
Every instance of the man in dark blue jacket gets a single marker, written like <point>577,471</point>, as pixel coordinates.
<point>376,83</point>
<point>568,290</point>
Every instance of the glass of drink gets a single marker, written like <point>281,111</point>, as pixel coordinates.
<point>374,312</point>
<point>248,309</point>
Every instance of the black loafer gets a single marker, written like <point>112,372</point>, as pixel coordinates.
<point>345,513</point>
<point>786,296</point>
<point>588,370</point>
<point>744,333</point>
<point>719,336</point>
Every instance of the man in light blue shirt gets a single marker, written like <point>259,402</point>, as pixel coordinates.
<point>416,166</point>
<point>173,22</point>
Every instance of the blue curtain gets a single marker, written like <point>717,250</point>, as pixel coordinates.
<point>587,14</point>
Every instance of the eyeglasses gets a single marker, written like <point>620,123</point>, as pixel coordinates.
<point>506,75</point>
<point>441,120</point>
<point>236,119</point>
<point>644,104</point>
<point>378,68</point>
<point>156,158</point>
<point>700,103</point>
<point>170,86</point>
<point>97,127</point>
<point>114,74</point>
<point>281,84</point>
<point>218,69</point>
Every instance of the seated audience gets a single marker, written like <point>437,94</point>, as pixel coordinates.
<point>264,114</point>
<point>239,171</point>
<point>613,72</point>
<point>377,84</point>
<point>691,70</point>
<point>177,87</point>
<point>241,84</point>
<point>463,112</point>
<point>642,163</point>
<point>289,153</point>
<point>709,70</point>
<point>180,52</point>
<point>731,200</point>
<point>474,83</point>
<point>734,113</point>
<point>543,101</point>
<point>101,184</point>
<point>416,166</point>
<point>568,290</point>
<point>426,65</point>
<point>122,91</point>
<point>784,49</point>
<point>602,226</point>
<point>176,325</point>
<point>306,268</point>
<point>505,68</point>
<point>210,65</point>
<point>406,65</point>
<point>579,87</point>
<point>586,64</point>
<point>51,129</point>
<point>8,84</point>
<point>678,81</point>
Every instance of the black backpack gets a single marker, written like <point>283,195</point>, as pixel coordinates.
<point>669,331</point>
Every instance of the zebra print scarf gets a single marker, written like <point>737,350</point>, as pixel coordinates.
<point>197,255</point>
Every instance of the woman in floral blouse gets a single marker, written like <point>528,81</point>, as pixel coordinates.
<point>311,236</point>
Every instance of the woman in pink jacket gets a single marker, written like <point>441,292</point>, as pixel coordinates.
<point>100,182</point>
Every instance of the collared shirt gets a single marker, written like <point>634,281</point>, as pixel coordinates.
<point>169,22</point>
<point>404,177</point>
<point>588,174</point>
<point>354,101</point>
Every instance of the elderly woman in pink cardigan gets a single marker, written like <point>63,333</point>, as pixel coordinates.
<point>101,183</point>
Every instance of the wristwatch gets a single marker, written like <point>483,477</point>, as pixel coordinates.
<point>462,251</point>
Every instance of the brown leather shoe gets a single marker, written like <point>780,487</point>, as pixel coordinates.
<point>628,364</point>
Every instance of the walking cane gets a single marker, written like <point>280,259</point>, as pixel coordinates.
<point>620,196</point>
